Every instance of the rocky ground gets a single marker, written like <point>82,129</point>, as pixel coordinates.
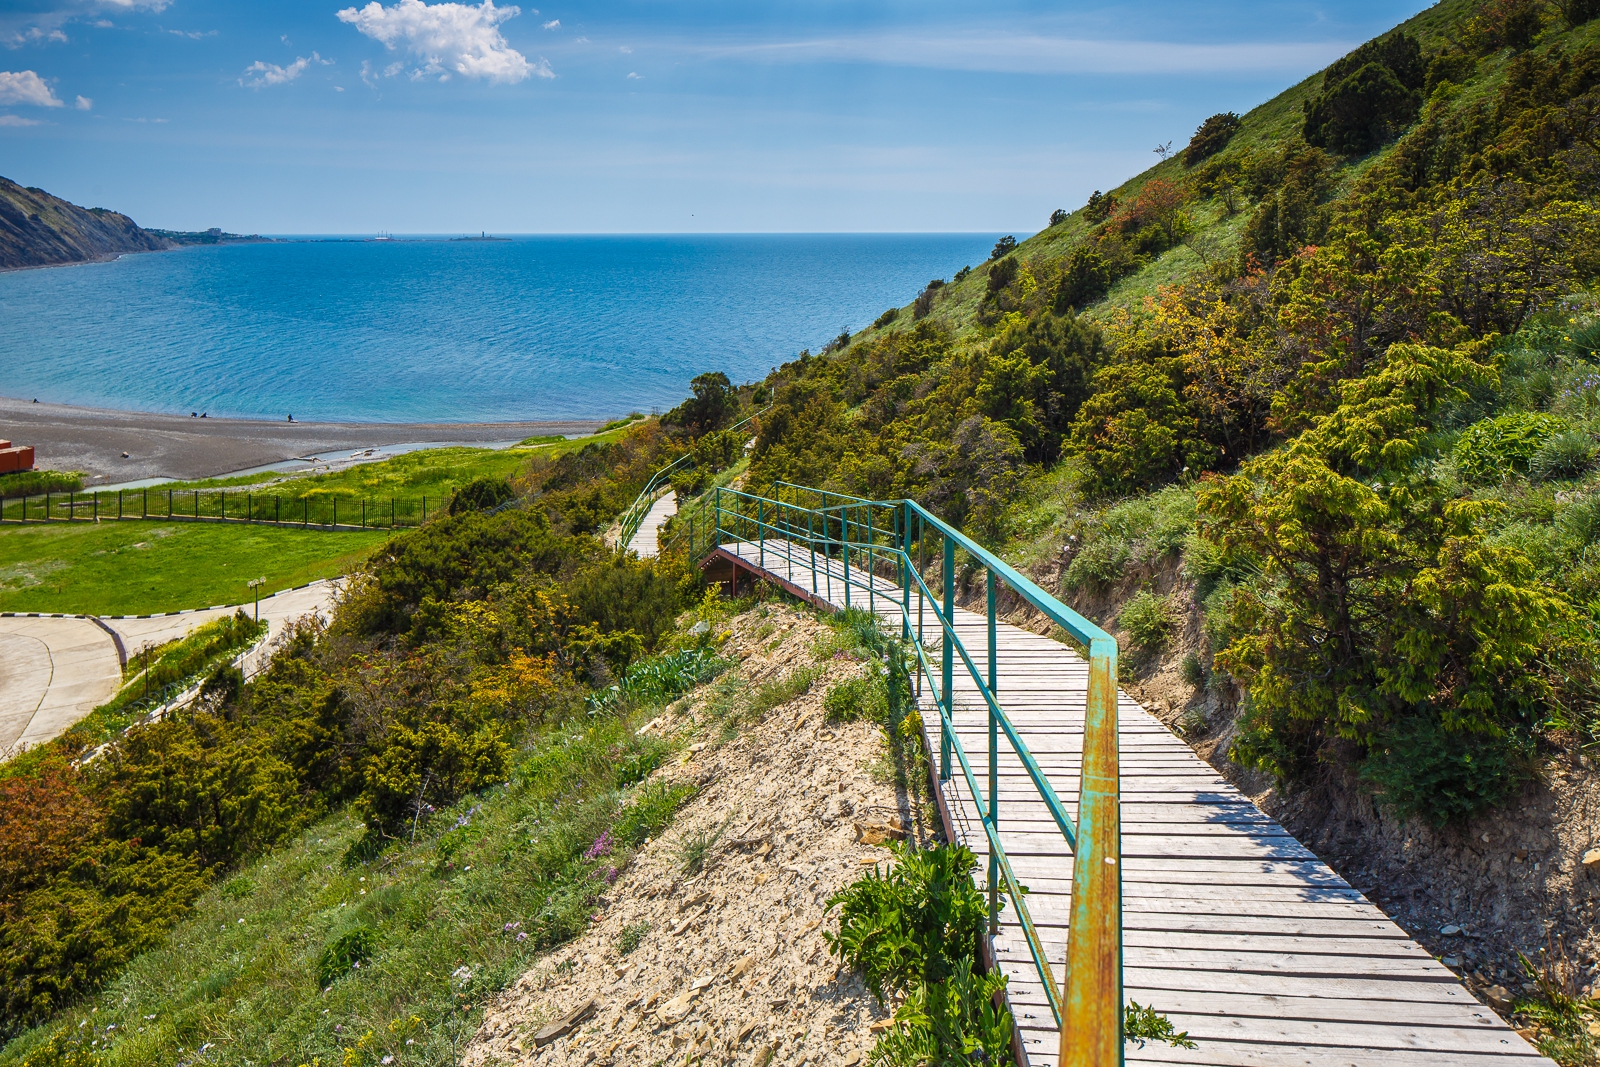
<point>728,963</point>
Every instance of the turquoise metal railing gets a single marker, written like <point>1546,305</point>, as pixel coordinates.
<point>634,516</point>
<point>882,549</point>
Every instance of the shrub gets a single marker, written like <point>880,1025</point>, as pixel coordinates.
<point>1004,247</point>
<point>1058,216</point>
<point>26,483</point>
<point>1580,520</point>
<point>1368,96</point>
<point>659,679</point>
<point>1490,449</point>
<point>886,318</point>
<point>866,697</point>
<point>480,494</point>
<point>1193,671</point>
<point>1420,768</point>
<point>345,953</point>
<point>631,936</point>
<point>1099,563</point>
<point>1569,454</point>
<point>1212,137</point>
<point>954,1021</point>
<point>913,924</point>
<point>1147,619</point>
<point>924,301</point>
<point>649,812</point>
<point>1099,207</point>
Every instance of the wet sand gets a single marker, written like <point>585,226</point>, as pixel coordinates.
<point>93,440</point>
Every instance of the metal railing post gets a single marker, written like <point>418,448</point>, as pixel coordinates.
<point>716,506</point>
<point>994,771</point>
<point>947,657</point>
<point>844,534</point>
<point>905,571</point>
<point>1091,1025</point>
<point>761,532</point>
<point>872,596</point>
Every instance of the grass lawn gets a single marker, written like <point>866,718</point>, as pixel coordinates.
<point>430,472</point>
<point>136,568</point>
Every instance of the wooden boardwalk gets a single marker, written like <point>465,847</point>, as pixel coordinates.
<point>1232,928</point>
<point>646,539</point>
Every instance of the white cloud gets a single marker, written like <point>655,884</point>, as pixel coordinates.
<point>269,74</point>
<point>635,77</point>
<point>26,87</point>
<point>582,40</point>
<point>449,38</point>
<point>553,24</point>
<point>17,120</point>
<point>84,103</point>
<point>19,27</point>
<point>625,50</point>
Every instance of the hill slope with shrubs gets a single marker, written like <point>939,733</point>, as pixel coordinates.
<point>1307,414</point>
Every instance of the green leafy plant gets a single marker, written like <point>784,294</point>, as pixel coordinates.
<point>695,849</point>
<point>346,953</point>
<point>659,679</point>
<point>1141,1023</point>
<point>866,697</point>
<point>792,686</point>
<point>1418,767</point>
<point>950,1022</point>
<point>912,923</point>
<point>1561,1016</point>
<point>631,936</point>
<point>649,812</point>
<point>1147,619</point>
<point>1570,454</point>
<point>1492,448</point>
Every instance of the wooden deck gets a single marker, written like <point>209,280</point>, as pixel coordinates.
<point>646,539</point>
<point>1232,928</point>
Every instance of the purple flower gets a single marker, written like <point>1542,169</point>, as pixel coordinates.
<point>611,875</point>
<point>601,846</point>
<point>522,936</point>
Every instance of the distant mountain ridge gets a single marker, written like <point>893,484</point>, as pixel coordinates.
<point>41,230</point>
<point>38,230</point>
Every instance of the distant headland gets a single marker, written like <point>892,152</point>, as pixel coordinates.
<point>38,229</point>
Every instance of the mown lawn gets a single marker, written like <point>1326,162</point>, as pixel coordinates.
<point>136,568</point>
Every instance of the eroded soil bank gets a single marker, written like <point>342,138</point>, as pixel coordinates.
<point>727,962</point>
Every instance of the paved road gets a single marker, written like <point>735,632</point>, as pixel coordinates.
<point>53,672</point>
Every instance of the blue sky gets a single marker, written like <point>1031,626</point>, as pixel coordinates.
<point>415,117</point>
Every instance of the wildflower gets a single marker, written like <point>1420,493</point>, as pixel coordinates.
<point>522,936</point>
<point>611,875</point>
<point>387,1060</point>
<point>601,846</point>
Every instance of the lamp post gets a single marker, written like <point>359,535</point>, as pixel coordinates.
<point>255,586</point>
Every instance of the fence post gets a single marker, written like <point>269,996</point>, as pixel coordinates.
<point>947,657</point>
<point>844,535</point>
<point>276,514</point>
<point>96,511</point>
<point>994,772</point>
<point>1091,1023</point>
<point>872,596</point>
<point>144,503</point>
<point>716,506</point>
<point>761,531</point>
<point>391,513</point>
<point>197,503</point>
<point>119,505</point>
<point>169,503</point>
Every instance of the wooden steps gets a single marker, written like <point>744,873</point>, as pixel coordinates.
<point>1232,928</point>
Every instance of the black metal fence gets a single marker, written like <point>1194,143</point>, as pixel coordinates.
<point>323,511</point>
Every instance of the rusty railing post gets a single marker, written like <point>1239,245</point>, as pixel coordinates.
<point>1091,1025</point>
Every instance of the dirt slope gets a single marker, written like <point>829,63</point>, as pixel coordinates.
<point>733,962</point>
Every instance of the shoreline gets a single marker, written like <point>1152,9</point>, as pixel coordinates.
<point>92,440</point>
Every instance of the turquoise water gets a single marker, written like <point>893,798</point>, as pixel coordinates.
<point>403,331</point>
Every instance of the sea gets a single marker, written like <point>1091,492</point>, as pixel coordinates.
<point>439,330</point>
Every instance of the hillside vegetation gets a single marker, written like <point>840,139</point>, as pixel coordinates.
<point>1348,342</point>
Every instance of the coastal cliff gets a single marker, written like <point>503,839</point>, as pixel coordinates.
<point>40,230</point>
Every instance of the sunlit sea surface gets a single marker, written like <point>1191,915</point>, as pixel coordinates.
<point>434,330</point>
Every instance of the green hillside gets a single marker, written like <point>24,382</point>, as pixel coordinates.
<point>1306,412</point>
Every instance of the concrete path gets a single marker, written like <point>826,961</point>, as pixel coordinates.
<point>646,539</point>
<point>53,672</point>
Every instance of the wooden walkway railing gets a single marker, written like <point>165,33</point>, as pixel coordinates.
<point>1231,927</point>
